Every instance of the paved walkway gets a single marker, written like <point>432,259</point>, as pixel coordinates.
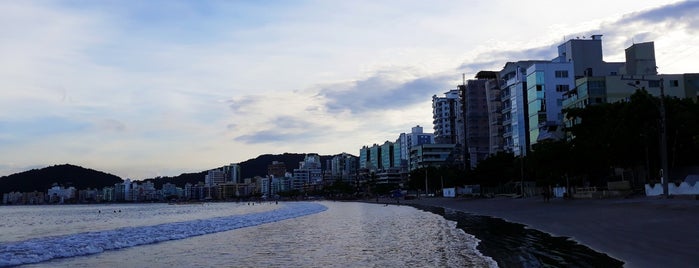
<point>642,232</point>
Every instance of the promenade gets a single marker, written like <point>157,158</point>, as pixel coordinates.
<point>642,232</point>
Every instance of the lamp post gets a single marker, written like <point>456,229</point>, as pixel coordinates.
<point>425,181</point>
<point>665,171</point>
<point>521,169</point>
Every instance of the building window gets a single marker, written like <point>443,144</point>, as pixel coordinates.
<point>539,87</point>
<point>674,83</point>
<point>654,83</point>
<point>562,74</point>
<point>562,88</point>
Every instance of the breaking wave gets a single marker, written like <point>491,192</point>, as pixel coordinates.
<point>46,248</point>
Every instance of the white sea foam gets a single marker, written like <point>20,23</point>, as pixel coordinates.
<point>47,248</point>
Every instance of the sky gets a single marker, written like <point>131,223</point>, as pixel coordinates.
<point>142,89</point>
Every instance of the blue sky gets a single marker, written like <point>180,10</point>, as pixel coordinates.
<point>155,88</point>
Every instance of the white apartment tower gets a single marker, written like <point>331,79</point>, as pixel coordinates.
<point>444,114</point>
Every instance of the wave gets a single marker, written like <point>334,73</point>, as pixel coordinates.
<point>64,246</point>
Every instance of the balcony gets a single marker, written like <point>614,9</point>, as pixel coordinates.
<point>506,109</point>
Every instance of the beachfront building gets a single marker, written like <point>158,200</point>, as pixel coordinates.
<point>533,91</point>
<point>389,162</point>
<point>119,190</point>
<point>60,194</point>
<point>108,194</point>
<point>389,159</point>
<point>577,59</point>
<point>127,187</point>
<point>232,173</point>
<point>445,112</point>
<point>513,97</point>
<point>431,155</point>
<point>546,84</point>
<point>343,167</point>
<point>640,64</point>
<point>364,155</point>
<point>493,86</point>
<point>393,176</point>
<point>408,140</point>
<point>171,190</point>
<point>474,131</point>
<point>309,175</point>
<point>214,177</point>
<point>370,157</point>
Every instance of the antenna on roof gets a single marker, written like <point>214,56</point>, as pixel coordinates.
<point>463,79</point>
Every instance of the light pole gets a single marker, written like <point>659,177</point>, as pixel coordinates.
<point>665,171</point>
<point>521,169</point>
<point>425,181</point>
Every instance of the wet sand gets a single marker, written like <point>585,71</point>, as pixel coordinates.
<point>642,232</point>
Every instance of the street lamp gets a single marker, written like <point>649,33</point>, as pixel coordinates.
<point>521,169</point>
<point>664,172</point>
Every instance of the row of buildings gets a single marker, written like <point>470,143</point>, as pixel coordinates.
<point>522,104</point>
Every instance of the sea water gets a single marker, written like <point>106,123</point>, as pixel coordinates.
<point>298,234</point>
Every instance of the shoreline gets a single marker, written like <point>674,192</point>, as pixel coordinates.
<point>641,232</point>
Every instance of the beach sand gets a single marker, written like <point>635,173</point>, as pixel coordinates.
<point>642,232</point>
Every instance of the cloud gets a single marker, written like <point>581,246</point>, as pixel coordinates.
<point>494,60</point>
<point>382,91</point>
<point>241,104</point>
<point>642,26</point>
<point>273,136</point>
<point>681,13</point>
<point>284,129</point>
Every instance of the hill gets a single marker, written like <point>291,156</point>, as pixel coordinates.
<point>66,175</point>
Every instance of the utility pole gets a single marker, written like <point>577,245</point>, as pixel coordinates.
<point>665,171</point>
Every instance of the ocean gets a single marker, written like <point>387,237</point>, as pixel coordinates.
<point>284,234</point>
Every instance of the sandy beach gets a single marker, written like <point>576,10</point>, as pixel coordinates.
<point>642,232</point>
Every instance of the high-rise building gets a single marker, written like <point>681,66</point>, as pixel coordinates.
<point>364,155</point>
<point>413,138</point>
<point>344,167</point>
<point>444,114</point>
<point>309,175</point>
<point>513,96</point>
<point>127,190</point>
<point>476,131</point>
<point>546,85</point>
<point>387,159</point>
<point>214,177</point>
